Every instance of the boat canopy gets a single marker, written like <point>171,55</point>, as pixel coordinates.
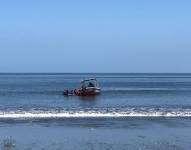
<point>86,82</point>
<point>91,79</point>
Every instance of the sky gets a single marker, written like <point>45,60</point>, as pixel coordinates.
<point>125,36</point>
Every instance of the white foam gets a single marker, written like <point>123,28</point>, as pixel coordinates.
<point>91,114</point>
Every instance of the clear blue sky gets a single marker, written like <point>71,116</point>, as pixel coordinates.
<point>95,36</point>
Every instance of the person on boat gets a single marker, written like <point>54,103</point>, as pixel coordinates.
<point>91,84</point>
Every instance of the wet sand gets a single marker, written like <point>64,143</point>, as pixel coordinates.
<point>121,134</point>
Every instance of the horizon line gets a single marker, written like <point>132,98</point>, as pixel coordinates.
<point>1,73</point>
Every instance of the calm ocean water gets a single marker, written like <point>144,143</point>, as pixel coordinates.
<point>134,111</point>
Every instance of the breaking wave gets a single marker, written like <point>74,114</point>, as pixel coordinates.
<point>111,113</point>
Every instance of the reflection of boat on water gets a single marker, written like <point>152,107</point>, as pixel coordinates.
<point>89,87</point>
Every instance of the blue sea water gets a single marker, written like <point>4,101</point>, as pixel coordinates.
<point>134,111</point>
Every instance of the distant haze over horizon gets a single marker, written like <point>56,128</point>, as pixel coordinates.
<point>93,73</point>
<point>140,36</point>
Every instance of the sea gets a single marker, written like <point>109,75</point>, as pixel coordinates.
<point>135,111</point>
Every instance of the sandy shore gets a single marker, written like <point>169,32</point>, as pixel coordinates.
<point>70,134</point>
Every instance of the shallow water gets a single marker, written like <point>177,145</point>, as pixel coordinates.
<point>134,111</point>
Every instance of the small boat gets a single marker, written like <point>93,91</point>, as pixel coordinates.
<point>89,87</point>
